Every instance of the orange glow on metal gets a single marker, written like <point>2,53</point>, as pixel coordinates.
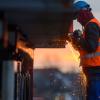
<point>29,51</point>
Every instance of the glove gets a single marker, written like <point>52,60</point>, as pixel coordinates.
<point>77,34</point>
<point>76,37</point>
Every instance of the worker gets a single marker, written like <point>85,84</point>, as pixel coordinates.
<point>89,48</point>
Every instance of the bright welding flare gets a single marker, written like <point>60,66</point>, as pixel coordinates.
<point>73,53</point>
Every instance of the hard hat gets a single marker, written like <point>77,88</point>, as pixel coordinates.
<point>81,5</point>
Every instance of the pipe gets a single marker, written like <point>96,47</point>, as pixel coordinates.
<point>8,79</point>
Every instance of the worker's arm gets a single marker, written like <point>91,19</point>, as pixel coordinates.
<point>92,33</point>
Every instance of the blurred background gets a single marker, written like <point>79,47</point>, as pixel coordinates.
<point>37,63</point>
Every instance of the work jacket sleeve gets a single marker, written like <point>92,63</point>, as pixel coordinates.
<point>90,42</point>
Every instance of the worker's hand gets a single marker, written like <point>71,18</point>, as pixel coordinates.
<point>76,37</point>
<point>77,34</point>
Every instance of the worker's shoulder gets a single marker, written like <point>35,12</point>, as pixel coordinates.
<point>92,25</point>
<point>93,28</point>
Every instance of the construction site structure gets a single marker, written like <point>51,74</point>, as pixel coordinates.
<point>24,26</point>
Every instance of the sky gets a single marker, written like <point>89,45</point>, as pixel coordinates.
<point>64,59</point>
<point>95,5</point>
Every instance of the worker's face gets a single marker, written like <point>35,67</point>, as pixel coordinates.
<point>81,18</point>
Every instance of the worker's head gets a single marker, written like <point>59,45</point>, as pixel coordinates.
<point>83,12</point>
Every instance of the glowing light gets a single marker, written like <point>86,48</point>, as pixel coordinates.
<point>29,51</point>
<point>73,53</point>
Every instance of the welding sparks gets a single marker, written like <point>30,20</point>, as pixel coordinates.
<point>73,53</point>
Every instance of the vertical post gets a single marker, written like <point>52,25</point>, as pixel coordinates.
<point>5,32</point>
<point>33,74</point>
<point>8,79</point>
<point>1,25</point>
<point>1,33</point>
<point>71,27</point>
